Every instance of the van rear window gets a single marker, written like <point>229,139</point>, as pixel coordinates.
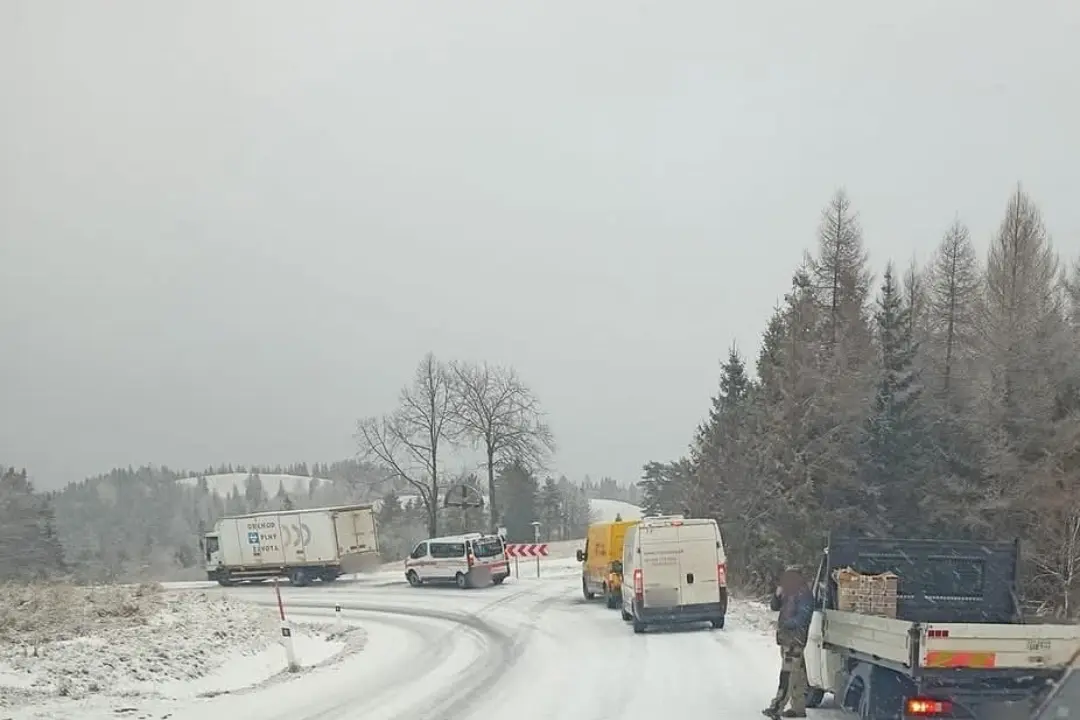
<point>487,547</point>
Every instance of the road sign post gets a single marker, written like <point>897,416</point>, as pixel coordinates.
<point>520,550</point>
<point>286,631</point>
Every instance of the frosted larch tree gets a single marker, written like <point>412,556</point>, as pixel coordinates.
<point>955,286</point>
<point>841,278</point>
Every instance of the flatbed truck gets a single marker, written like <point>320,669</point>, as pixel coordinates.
<point>958,647</point>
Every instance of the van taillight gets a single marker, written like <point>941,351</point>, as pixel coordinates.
<point>721,574</point>
<point>927,707</point>
<point>639,583</point>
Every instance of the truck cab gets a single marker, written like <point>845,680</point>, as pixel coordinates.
<point>212,547</point>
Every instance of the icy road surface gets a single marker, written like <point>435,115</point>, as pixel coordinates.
<point>533,648</point>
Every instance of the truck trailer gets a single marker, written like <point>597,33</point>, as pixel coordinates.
<point>301,545</point>
<point>958,646</point>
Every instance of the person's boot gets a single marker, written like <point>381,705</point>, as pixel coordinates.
<point>773,710</point>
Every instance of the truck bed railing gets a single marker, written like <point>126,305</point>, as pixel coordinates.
<point>939,580</point>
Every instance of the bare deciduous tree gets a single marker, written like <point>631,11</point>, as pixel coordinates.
<point>501,416</point>
<point>409,440</point>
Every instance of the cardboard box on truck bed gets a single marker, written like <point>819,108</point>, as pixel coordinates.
<point>866,594</point>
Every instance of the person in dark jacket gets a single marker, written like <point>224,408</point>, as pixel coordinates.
<point>795,603</point>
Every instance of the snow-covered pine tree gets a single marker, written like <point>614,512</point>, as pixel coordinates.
<point>254,492</point>
<point>895,452</point>
<point>720,484</point>
<point>549,508</point>
<point>29,546</point>
<point>518,486</point>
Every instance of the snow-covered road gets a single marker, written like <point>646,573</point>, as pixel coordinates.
<point>531,647</point>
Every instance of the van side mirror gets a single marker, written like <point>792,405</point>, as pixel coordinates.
<point>580,556</point>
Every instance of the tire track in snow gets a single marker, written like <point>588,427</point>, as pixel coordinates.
<point>499,650</point>
<point>434,651</point>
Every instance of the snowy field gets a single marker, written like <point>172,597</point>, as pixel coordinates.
<point>532,647</point>
<point>65,651</point>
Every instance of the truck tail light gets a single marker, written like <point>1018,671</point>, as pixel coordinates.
<point>937,633</point>
<point>639,583</point>
<point>927,707</point>
<point>721,574</point>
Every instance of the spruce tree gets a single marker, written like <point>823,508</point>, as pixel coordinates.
<point>894,447</point>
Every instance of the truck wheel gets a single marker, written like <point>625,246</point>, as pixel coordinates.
<point>299,577</point>
<point>814,696</point>
<point>627,617</point>
<point>226,581</point>
<point>639,627</point>
<point>585,590</point>
<point>718,624</point>
<point>413,578</point>
<point>462,580</point>
<point>329,576</point>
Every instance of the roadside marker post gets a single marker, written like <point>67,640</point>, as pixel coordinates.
<point>536,539</point>
<point>337,616</point>
<point>286,631</point>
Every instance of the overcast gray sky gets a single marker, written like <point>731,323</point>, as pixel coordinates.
<point>228,229</point>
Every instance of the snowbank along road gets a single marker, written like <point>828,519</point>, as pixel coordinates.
<point>532,647</point>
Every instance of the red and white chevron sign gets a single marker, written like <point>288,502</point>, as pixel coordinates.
<point>526,549</point>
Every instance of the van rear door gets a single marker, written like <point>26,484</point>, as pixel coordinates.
<point>698,562</point>
<point>488,552</point>
<point>659,564</point>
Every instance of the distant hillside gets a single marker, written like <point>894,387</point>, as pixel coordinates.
<point>224,483</point>
<point>600,510</point>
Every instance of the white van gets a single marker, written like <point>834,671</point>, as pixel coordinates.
<point>676,572</point>
<point>469,560</point>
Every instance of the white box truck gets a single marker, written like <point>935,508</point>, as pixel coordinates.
<point>301,545</point>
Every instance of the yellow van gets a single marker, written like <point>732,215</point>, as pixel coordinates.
<point>601,569</point>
